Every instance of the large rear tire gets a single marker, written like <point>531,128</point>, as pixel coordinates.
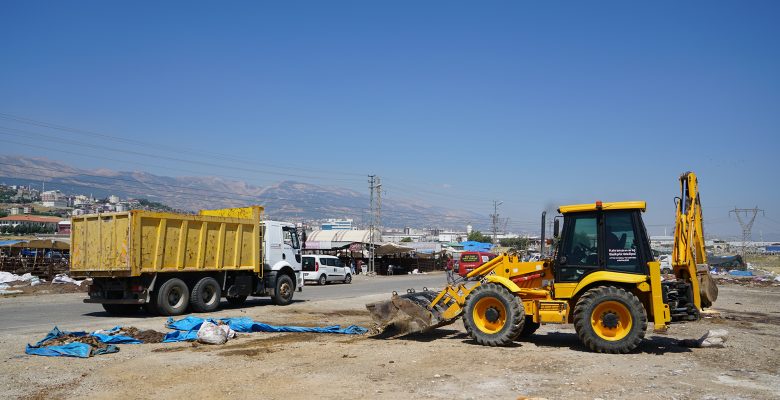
<point>284,290</point>
<point>172,297</point>
<point>609,319</point>
<point>206,295</point>
<point>494,316</point>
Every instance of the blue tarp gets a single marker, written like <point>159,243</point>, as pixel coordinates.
<point>4,243</point>
<point>476,246</point>
<point>187,328</point>
<point>737,272</point>
<point>74,349</point>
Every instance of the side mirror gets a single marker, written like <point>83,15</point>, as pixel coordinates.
<point>556,228</point>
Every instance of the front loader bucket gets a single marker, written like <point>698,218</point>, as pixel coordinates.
<point>408,313</point>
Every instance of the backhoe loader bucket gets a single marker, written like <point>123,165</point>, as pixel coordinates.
<point>408,313</point>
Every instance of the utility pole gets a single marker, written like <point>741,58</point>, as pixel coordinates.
<point>372,218</point>
<point>494,217</point>
<point>378,223</point>
<point>746,218</point>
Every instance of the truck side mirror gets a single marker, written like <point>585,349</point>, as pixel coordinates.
<point>556,228</point>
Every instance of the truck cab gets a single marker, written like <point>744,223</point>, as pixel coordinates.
<point>282,251</point>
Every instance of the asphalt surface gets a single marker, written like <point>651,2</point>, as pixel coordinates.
<point>68,311</point>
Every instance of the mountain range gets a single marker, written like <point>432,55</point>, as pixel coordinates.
<point>284,200</point>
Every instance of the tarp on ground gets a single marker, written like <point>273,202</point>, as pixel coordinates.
<point>73,349</point>
<point>476,246</point>
<point>187,328</point>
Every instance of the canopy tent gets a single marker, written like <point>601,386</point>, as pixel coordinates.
<point>37,244</point>
<point>335,239</point>
<point>392,248</point>
<point>476,246</point>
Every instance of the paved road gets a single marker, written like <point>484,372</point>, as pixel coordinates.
<point>36,313</point>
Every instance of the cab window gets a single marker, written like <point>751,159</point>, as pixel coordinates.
<point>581,245</point>
<point>291,237</point>
<point>621,244</point>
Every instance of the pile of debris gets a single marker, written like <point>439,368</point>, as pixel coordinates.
<point>12,284</point>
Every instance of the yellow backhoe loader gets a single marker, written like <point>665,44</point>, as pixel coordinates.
<point>602,277</point>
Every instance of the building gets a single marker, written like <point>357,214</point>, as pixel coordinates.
<point>333,224</point>
<point>54,198</point>
<point>32,220</point>
<point>113,199</point>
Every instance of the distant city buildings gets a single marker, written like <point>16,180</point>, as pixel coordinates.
<point>333,224</point>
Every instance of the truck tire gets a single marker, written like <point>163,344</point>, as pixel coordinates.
<point>172,297</point>
<point>205,295</point>
<point>236,301</point>
<point>121,309</point>
<point>609,319</point>
<point>494,316</point>
<point>284,290</point>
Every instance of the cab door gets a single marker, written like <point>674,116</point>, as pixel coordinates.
<point>580,252</point>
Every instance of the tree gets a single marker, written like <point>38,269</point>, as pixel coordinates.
<point>520,244</point>
<point>477,236</point>
<point>406,240</point>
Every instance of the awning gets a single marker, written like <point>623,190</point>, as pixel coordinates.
<point>347,236</point>
<point>37,244</point>
<point>392,248</point>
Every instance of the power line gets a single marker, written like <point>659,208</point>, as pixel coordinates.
<point>746,223</point>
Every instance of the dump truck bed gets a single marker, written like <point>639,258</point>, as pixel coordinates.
<point>136,242</point>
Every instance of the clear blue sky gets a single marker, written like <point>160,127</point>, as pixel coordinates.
<point>532,103</point>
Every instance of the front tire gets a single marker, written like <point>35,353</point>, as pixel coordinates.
<point>609,319</point>
<point>494,316</point>
<point>284,290</point>
<point>206,295</point>
<point>348,279</point>
<point>172,297</point>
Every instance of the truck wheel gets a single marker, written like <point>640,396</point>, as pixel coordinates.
<point>323,279</point>
<point>206,295</point>
<point>529,327</point>
<point>284,290</point>
<point>236,301</point>
<point>610,320</point>
<point>121,309</point>
<point>348,279</point>
<point>494,316</point>
<point>172,297</point>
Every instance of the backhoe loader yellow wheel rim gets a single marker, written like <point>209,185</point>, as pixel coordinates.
<point>489,315</point>
<point>611,320</point>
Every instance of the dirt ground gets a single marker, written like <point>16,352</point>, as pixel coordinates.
<point>444,364</point>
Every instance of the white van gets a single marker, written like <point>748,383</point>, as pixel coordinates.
<point>323,269</point>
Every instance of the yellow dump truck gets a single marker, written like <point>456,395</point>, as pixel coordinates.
<point>169,262</point>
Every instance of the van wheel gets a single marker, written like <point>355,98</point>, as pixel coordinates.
<point>205,295</point>
<point>348,279</point>
<point>284,291</point>
<point>323,279</point>
<point>172,297</point>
